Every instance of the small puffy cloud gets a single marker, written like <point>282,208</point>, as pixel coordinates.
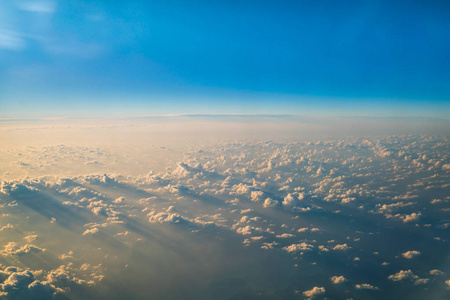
<point>411,217</point>
<point>268,246</point>
<point>447,282</point>
<point>99,211</point>
<point>315,291</point>
<point>411,254</point>
<point>270,203</point>
<point>366,286</point>
<point>290,201</point>
<point>247,230</point>
<point>436,272</point>
<point>119,200</point>
<point>66,256</point>
<point>298,247</point>
<point>241,189</point>
<point>338,279</point>
<point>166,217</point>
<point>402,275</point>
<point>323,248</point>
<point>174,218</point>
<point>341,247</point>
<point>12,249</point>
<point>256,196</point>
<point>7,226</point>
<point>30,238</point>
<point>63,276</point>
<point>408,275</point>
<point>90,231</point>
<point>285,236</point>
<point>421,281</point>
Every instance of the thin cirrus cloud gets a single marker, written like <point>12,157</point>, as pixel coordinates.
<point>11,40</point>
<point>46,6</point>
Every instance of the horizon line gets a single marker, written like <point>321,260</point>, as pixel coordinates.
<point>200,115</point>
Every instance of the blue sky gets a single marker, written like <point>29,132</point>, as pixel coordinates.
<point>67,58</point>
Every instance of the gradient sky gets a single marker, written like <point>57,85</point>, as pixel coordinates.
<point>69,58</point>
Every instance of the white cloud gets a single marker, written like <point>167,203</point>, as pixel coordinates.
<point>447,282</point>
<point>366,286</point>
<point>7,226</point>
<point>290,201</point>
<point>175,218</point>
<point>64,276</point>
<point>270,203</point>
<point>421,281</point>
<point>298,247</point>
<point>90,231</point>
<point>30,238</point>
<point>338,279</point>
<point>315,291</point>
<point>11,40</point>
<point>411,217</point>
<point>402,275</point>
<point>285,236</point>
<point>23,285</point>
<point>12,249</point>
<point>247,230</point>
<point>341,247</point>
<point>38,6</point>
<point>436,272</point>
<point>256,196</point>
<point>411,254</point>
<point>408,275</point>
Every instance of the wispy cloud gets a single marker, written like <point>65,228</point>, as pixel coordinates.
<point>11,40</point>
<point>46,6</point>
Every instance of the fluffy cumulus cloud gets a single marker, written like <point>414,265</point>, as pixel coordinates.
<point>411,254</point>
<point>13,249</point>
<point>290,201</point>
<point>408,275</point>
<point>166,217</point>
<point>64,276</point>
<point>302,204</point>
<point>171,217</point>
<point>436,272</point>
<point>338,279</point>
<point>365,286</point>
<point>315,291</point>
<point>30,238</point>
<point>270,203</point>
<point>16,283</point>
<point>298,247</point>
<point>341,247</point>
<point>7,226</point>
<point>23,285</point>
<point>404,274</point>
<point>90,231</point>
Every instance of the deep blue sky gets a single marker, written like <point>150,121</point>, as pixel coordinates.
<point>169,57</point>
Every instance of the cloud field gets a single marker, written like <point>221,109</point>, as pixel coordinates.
<point>177,211</point>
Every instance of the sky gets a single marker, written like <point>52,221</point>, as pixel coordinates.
<point>97,58</point>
